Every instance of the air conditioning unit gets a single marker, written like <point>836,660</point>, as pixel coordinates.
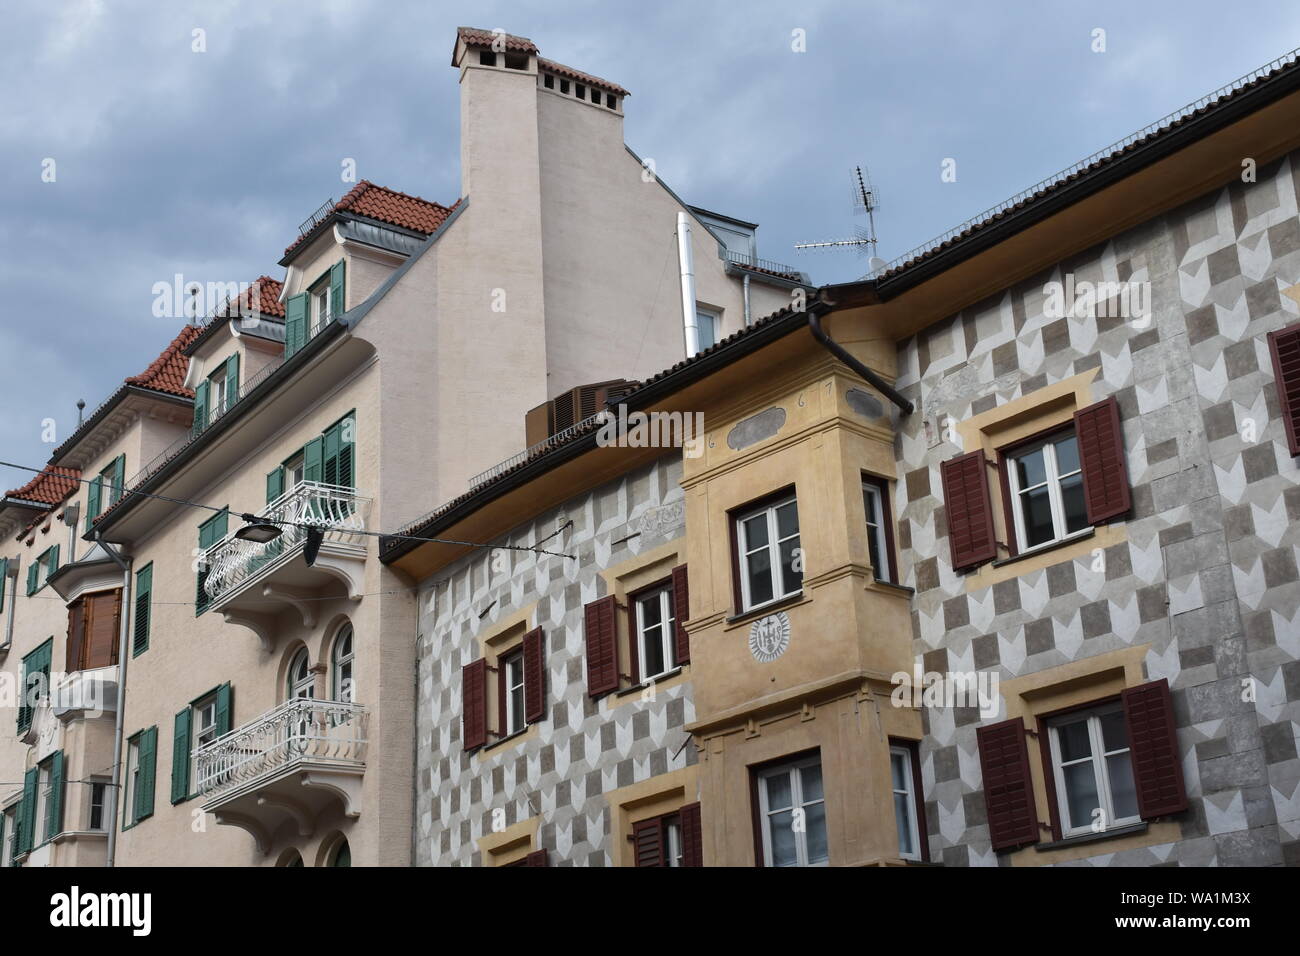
<point>569,408</point>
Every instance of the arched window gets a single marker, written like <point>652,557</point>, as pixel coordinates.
<point>342,855</point>
<point>342,670</point>
<point>302,683</point>
<point>290,857</point>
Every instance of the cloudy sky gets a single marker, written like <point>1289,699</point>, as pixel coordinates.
<point>168,160</point>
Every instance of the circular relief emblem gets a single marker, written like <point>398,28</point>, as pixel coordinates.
<point>769,637</point>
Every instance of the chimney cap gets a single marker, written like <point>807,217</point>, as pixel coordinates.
<point>475,39</point>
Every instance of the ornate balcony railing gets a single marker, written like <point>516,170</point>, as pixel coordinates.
<point>337,509</point>
<point>319,733</point>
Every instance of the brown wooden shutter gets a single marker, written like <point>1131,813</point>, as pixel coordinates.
<point>103,620</point>
<point>76,634</point>
<point>648,842</point>
<point>1101,455</point>
<point>970,510</point>
<point>536,858</point>
<point>601,628</point>
<point>474,704</point>
<point>1008,788</point>
<point>681,613</point>
<point>1284,345</point>
<point>1153,746</point>
<point>534,676</point>
<point>692,836</point>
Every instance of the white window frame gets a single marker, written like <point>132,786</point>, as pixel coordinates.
<point>44,803</point>
<point>673,853</point>
<point>296,685</point>
<point>321,304</point>
<point>792,769</point>
<point>295,471</point>
<point>897,752</point>
<point>217,392</point>
<point>201,733</point>
<point>1101,772</point>
<point>511,663</point>
<point>43,562</point>
<point>7,850</point>
<point>781,592</point>
<point>110,493</point>
<point>346,694</point>
<point>667,625</point>
<point>873,500</point>
<point>98,788</point>
<point>714,318</point>
<point>1052,480</point>
<point>131,781</point>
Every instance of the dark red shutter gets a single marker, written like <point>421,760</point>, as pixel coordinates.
<point>534,676</point>
<point>648,842</point>
<point>1153,746</point>
<point>634,647</point>
<point>536,858</point>
<point>1101,455</point>
<point>1008,788</point>
<point>1284,345</point>
<point>970,511</point>
<point>600,624</point>
<point>474,704</point>
<point>692,836</point>
<point>681,614</point>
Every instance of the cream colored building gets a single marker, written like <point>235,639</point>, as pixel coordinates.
<point>256,709</point>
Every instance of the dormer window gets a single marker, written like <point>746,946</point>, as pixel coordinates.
<point>321,306</point>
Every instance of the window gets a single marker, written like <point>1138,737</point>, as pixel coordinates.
<point>138,783</point>
<point>203,721</point>
<point>309,311</point>
<point>342,855</point>
<point>143,610</point>
<point>708,322</point>
<point>548,81</point>
<point>105,489</point>
<point>204,716</point>
<point>8,836</point>
<point>1284,348</point>
<point>1045,484</point>
<point>40,570</point>
<point>792,814</point>
<point>671,839</point>
<point>302,682</point>
<point>1092,769</point>
<point>98,805</point>
<point>36,682</point>
<point>211,533</point>
<point>655,629</point>
<point>511,673</point>
<point>906,786</point>
<point>44,801</point>
<point>293,469</point>
<point>217,393</point>
<point>93,631</point>
<point>343,665</point>
<point>771,565</point>
<point>880,535</point>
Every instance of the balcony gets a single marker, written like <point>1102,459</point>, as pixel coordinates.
<point>288,765</point>
<point>249,582</point>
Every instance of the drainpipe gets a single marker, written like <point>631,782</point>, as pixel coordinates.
<point>70,516</point>
<point>124,655</point>
<point>11,570</point>
<point>815,312</point>
<point>748,320</point>
<point>686,265</point>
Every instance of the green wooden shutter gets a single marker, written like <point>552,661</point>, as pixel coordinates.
<point>54,561</point>
<point>32,571</point>
<point>201,406</point>
<point>347,452</point>
<point>54,815</point>
<point>92,500</point>
<point>336,290</point>
<point>27,812</point>
<point>330,472</point>
<point>225,703</point>
<point>232,380</point>
<point>274,483</point>
<point>312,463</point>
<point>295,323</point>
<point>148,760</point>
<point>143,610</point>
<point>119,480</point>
<point>181,757</point>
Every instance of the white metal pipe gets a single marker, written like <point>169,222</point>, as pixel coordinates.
<point>686,264</point>
<point>113,801</point>
<point>748,319</point>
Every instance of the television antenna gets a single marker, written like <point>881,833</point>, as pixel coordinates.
<point>864,201</point>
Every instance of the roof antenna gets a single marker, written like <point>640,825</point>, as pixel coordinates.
<point>864,201</point>
<point>81,407</point>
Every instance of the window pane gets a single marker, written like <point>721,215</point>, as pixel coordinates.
<point>653,652</point>
<point>783,841</point>
<point>810,779</point>
<point>873,550</point>
<point>1074,741</point>
<point>1036,510</point>
<point>778,791</point>
<point>1080,792</point>
<point>1123,793</point>
<point>650,613</point>
<point>755,532</point>
<point>1114,735</point>
<point>1067,455</point>
<point>1076,512</point>
<point>760,577</point>
<point>791,578</point>
<point>787,520</point>
<point>896,763</point>
<point>906,845</point>
<point>815,822</point>
<point>1030,470</point>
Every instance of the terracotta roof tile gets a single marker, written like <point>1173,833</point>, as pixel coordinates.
<point>474,37</point>
<point>50,487</point>
<point>262,295</point>
<point>579,76</point>
<point>167,372</point>
<point>386,205</point>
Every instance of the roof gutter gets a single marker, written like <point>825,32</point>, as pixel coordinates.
<point>815,312</point>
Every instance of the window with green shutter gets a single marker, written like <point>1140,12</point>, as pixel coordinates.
<point>205,719</point>
<point>336,290</point>
<point>54,772</point>
<point>339,457</point>
<point>45,564</point>
<point>295,322</point>
<point>274,483</point>
<point>200,407</point>
<point>27,813</point>
<point>210,532</point>
<point>181,756</point>
<point>36,682</point>
<point>143,610</point>
<point>232,380</point>
<point>141,762</point>
<point>93,494</point>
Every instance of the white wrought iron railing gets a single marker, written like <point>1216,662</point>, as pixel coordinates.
<point>339,510</point>
<point>320,732</point>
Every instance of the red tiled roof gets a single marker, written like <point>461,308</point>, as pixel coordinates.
<point>387,205</point>
<point>167,372</point>
<point>474,37</point>
<point>581,77</point>
<point>50,487</point>
<point>262,295</point>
